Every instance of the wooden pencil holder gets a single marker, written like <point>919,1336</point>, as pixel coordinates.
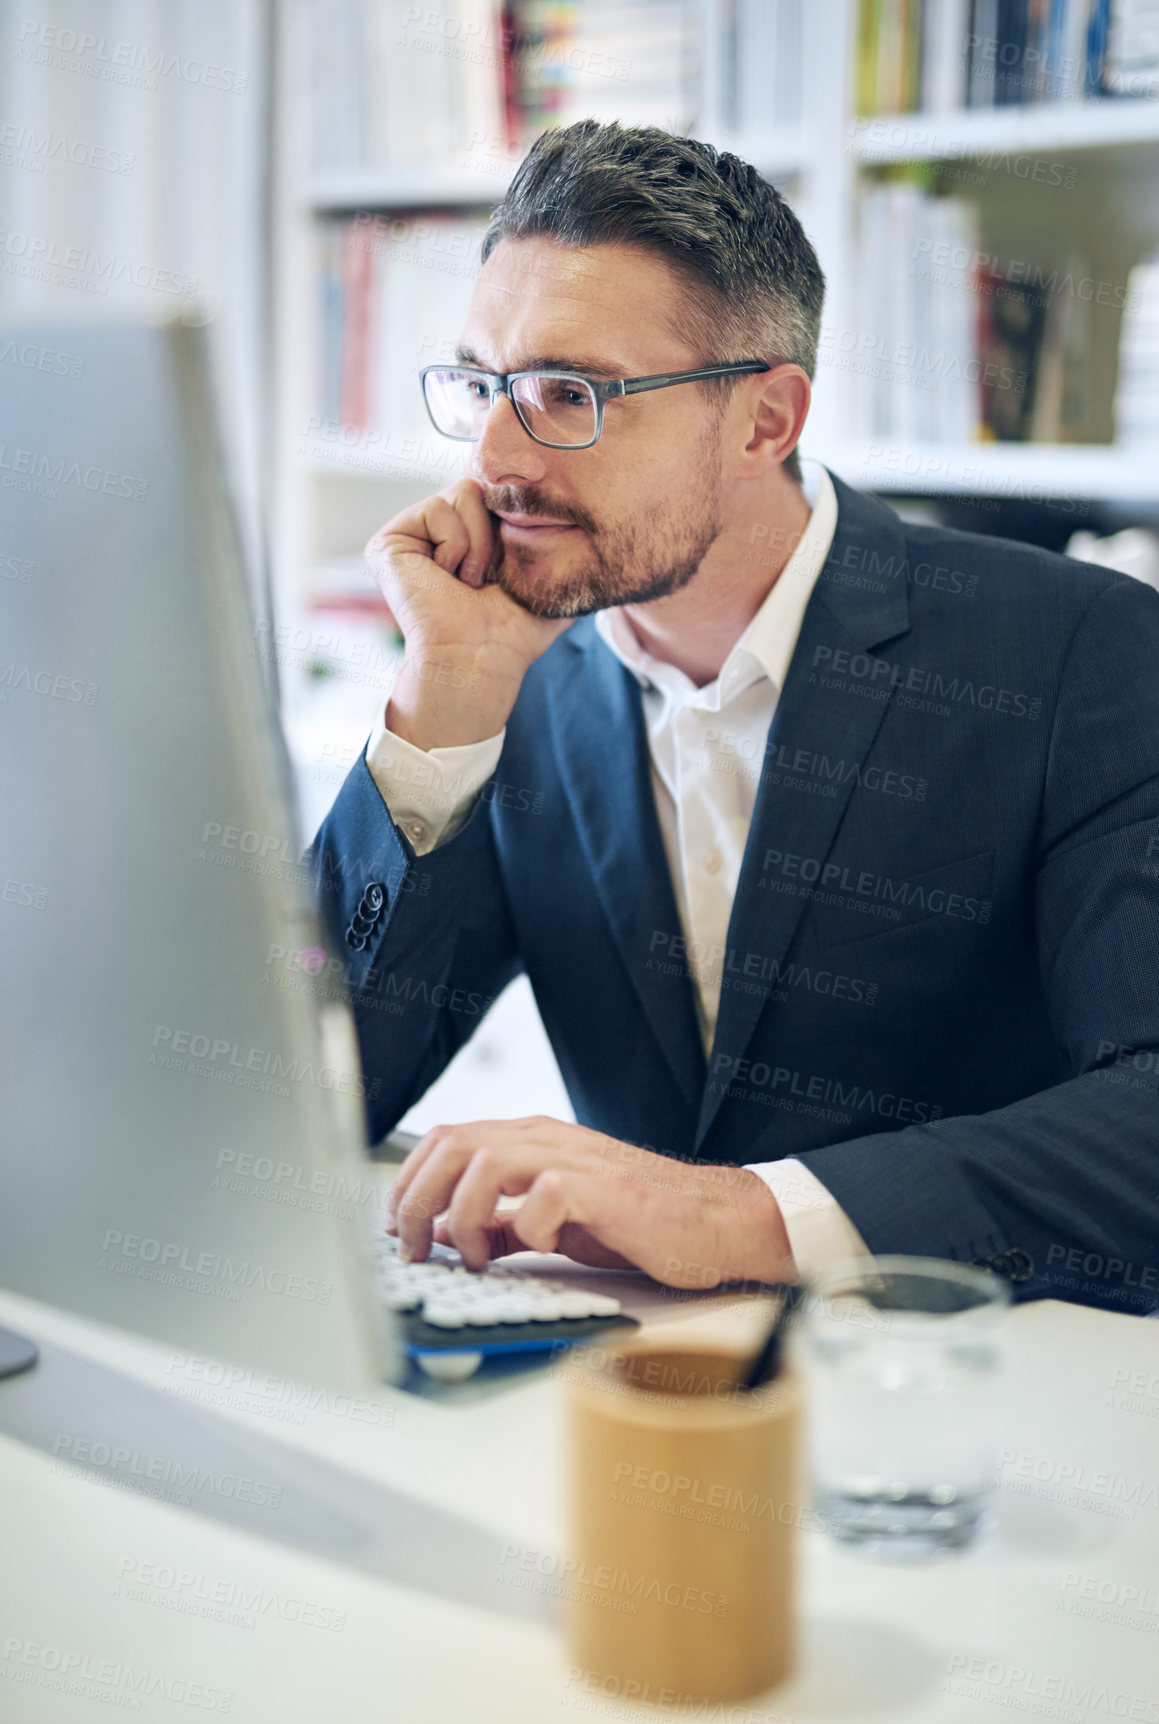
<point>685,1496</point>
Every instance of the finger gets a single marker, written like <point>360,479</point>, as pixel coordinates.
<point>664,1238</point>
<point>447,532</point>
<point>574,1241</point>
<point>554,1200</point>
<point>463,1181</point>
<point>484,1131</point>
<point>419,1195</point>
<point>415,1205</point>
<point>583,1247</point>
<point>432,529</point>
<point>566,1143</point>
<point>404,1178</point>
<point>417,1210</point>
<point>502,1239</point>
<point>428,1194</point>
<point>489,1175</point>
<point>483,539</point>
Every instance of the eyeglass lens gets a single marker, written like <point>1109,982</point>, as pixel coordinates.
<point>556,409</point>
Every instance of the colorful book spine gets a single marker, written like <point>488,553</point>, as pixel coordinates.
<point>935,55</point>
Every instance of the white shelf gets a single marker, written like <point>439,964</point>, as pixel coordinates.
<point>1052,473</point>
<point>985,131</point>
<point>382,188</point>
<point>778,152</point>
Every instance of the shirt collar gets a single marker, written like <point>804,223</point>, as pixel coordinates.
<point>766,647</point>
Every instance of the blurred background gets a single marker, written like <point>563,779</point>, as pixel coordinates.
<point>311,178</point>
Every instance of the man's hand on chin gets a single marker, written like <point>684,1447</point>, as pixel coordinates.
<point>601,1201</point>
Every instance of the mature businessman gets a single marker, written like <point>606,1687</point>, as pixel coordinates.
<point>830,844</point>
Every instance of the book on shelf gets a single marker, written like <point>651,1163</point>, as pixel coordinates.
<point>632,60</point>
<point>1137,388</point>
<point>1131,66</point>
<point>938,56</point>
<point>407,88</point>
<point>941,64</point>
<point>392,293</point>
<point>403,87</point>
<point>761,65</point>
<point>1009,328</point>
<point>914,361</point>
<point>888,56</point>
<point>952,346</point>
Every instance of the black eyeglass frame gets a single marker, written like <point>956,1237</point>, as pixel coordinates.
<point>603,390</point>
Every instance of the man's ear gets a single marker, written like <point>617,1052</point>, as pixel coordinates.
<point>776,405</point>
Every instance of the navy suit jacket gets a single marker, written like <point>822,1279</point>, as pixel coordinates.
<point>941,982</point>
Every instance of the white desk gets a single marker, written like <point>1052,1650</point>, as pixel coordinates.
<point>881,1644</point>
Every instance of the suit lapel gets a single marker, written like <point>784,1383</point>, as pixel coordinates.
<point>602,753</point>
<point>840,617</point>
<point>601,749</point>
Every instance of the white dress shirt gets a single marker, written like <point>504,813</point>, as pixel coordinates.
<point>707,747</point>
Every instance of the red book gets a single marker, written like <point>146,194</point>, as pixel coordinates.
<point>360,246</point>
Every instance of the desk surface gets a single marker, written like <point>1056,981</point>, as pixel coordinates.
<point>300,1606</point>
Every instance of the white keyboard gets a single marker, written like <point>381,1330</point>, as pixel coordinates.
<point>449,1296</point>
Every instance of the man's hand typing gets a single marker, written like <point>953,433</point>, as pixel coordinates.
<point>600,1201</point>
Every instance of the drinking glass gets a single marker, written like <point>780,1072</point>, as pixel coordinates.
<point>903,1358</point>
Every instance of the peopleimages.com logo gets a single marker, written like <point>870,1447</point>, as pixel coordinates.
<point>227,1061</point>
<point>123,1252</point>
<point>106,1680</point>
<point>119,62</point>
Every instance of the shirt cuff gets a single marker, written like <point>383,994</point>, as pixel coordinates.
<point>819,1230</point>
<point>429,793</point>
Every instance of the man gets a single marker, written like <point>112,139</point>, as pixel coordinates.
<point>830,844</point>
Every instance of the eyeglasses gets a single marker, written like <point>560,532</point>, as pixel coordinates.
<point>560,409</point>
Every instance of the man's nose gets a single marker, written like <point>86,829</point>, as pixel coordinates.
<point>505,452</point>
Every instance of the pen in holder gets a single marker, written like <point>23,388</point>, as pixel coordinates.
<point>685,1496</point>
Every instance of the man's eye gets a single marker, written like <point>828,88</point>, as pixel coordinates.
<point>558,393</point>
<point>477,390</point>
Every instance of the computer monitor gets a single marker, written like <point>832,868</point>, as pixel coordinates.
<point>181,1136</point>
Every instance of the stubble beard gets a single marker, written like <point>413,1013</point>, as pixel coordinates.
<point>626,564</point>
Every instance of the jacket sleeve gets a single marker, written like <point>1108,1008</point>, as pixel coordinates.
<point>437,942</point>
<point>1061,1189</point>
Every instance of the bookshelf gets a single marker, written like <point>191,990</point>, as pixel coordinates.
<point>1036,177</point>
<point>1046,124</point>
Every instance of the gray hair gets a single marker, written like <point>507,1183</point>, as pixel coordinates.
<point>755,288</point>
